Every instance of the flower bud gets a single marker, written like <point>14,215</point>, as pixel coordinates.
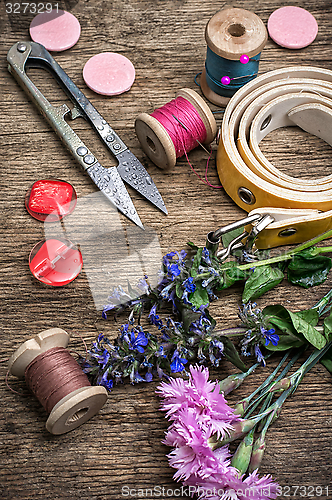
<point>281,386</point>
<point>240,429</point>
<point>241,407</point>
<point>257,454</point>
<point>241,457</point>
<point>230,383</point>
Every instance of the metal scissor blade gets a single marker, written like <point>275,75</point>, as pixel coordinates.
<point>133,172</point>
<point>109,182</point>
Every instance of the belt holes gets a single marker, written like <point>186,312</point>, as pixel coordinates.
<point>246,195</point>
<point>287,232</point>
<point>266,122</point>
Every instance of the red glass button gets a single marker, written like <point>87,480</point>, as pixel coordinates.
<point>50,200</point>
<point>55,262</point>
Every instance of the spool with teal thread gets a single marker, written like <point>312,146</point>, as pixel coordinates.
<point>230,34</point>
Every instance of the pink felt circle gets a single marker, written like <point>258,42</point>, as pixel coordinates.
<point>109,73</point>
<point>57,31</point>
<point>292,27</point>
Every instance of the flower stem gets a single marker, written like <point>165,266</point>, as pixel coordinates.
<point>290,253</point>
<point>322,303</point>
<point>267,381</point>
<point>229,332</point>
<point>271,382</point>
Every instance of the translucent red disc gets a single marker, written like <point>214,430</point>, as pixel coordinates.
<point>50,200</point>
<point>55,262</point>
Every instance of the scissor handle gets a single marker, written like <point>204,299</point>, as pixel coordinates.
<point>39,57</point>
<point>55,116</point>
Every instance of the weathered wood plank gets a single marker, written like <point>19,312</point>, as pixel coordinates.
<point>121,446</point>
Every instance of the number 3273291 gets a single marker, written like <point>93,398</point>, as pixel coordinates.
<point>31,8</point>
<point>304,491</point>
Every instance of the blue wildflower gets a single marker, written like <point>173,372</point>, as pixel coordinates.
<point>259,356</point>
<point>166,292</point>
<point>105,381</point>
<point>160,352</point>
<point>270,336</point>
<point>161,372</point>
<point>137,343</point>
<point>138,378</point>
<point>103,358</point>
<point>170,255</point>
<point>189,285</point>
<point>144,286</point>
<point>216,351</point>
<point>106,309</point>
<point>154,317</point>
<point>202,325</point>
<point>206,255</point>
<point>177,363</point>
<point>174,271</point>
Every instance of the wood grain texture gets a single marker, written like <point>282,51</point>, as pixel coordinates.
<point>121,446</point>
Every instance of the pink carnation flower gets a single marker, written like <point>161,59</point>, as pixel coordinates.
<point>231,486</point>
<point>224,482</point>
<point>192,453</point>
<point>199,411</point>
<point>213,412</point>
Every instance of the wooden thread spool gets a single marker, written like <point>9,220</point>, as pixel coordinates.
<point>75,408</point>
<point>155,140</point>
<point>229,34</point>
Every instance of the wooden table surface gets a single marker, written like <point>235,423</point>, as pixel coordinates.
<point>118,453</point>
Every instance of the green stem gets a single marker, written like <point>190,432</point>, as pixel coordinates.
<point>308,364</point>
<point>288,255</point>
<point>269,379</point>
<point>267,423</point>
<point>322,303</point>
<point>289,365</point>
<point>229,332</point>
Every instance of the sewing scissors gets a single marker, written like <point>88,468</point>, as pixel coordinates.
<point>109,180</point>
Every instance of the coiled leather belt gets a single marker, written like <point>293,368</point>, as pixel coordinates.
<point>300,95</point>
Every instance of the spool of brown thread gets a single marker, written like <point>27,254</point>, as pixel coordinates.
<point>57,381</point>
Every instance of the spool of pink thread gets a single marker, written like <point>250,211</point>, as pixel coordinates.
<point>176,128</point>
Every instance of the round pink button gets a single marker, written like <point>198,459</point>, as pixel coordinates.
<point>57,30</point>
<point>109,73</point>
<point>292,27</point>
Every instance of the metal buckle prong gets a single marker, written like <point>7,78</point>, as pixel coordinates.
<point>259,223</point>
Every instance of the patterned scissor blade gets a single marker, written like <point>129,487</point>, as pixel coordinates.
<point>133,172</point>
<point>110,184</point>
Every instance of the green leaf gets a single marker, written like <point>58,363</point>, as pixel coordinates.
<point>188,316</point>
<point>196,263</point>
<point>328,327</point>
<point>230,275</point>
<point>278,316</point>
<point>300,324</point>
<point>178,290</point>
<point>231,353</point>
<point>192,245</point>
<point>285,342</point>
<point>306,269</point>
<point>263,279</point>
<point>327,360</point>
<point>199,297</point>
<point>309,332</point>
<point>311,316</point>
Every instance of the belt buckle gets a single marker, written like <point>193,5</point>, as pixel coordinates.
<point>258,223</point>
